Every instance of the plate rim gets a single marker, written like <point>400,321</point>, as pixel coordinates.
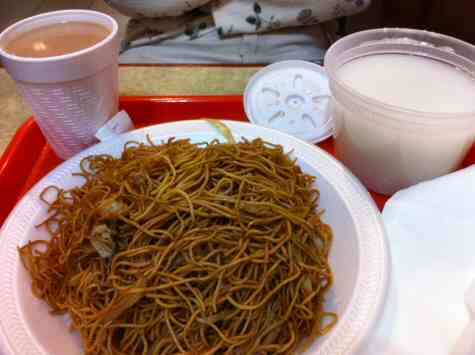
<point>366,305</point>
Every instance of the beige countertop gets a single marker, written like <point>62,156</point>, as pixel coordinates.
<point>135,81</point>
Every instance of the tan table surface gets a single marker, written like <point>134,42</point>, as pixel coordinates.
<point>135,81</point>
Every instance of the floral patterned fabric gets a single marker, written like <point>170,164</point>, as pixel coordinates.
<point>156,20</point>
<point>250,16</point>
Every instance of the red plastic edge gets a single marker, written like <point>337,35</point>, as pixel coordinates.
<point>17,162</point>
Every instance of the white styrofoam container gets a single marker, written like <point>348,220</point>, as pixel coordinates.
<point>359,256</point>
<point>71,95</point>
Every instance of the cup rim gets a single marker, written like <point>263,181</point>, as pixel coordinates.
<point>378,104</point>
<point>68,56</point>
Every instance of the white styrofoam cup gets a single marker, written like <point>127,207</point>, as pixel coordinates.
<point>71,95</point>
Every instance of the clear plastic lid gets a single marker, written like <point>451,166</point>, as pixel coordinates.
<point>293,97</point>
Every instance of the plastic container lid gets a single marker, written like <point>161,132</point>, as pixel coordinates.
<point>291,96</point>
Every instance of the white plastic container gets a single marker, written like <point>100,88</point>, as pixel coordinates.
<point>400,132</point>
<point>71,95</point>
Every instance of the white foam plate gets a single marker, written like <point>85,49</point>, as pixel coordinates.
<point>359,258</point>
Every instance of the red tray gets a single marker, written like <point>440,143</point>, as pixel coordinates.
<point>28,157</point>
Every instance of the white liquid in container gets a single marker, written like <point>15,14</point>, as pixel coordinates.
<point>389,150</point>
<point>411,82</point>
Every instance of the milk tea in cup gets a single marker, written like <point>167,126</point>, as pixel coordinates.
<point>57,39</point>
<point>65,63</point>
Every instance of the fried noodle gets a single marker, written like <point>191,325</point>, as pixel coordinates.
<point>187,248</point>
